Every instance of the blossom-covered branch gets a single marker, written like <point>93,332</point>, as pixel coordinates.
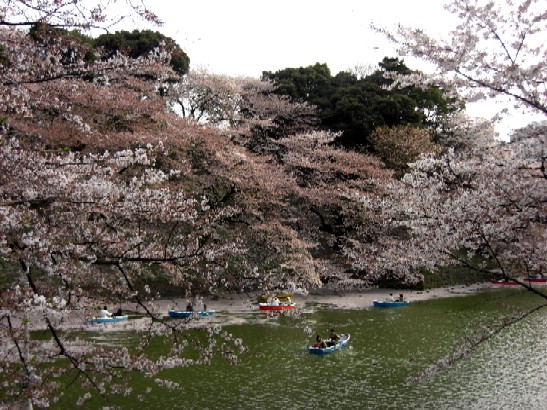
<point>497,48</point>
<point>83,14</point>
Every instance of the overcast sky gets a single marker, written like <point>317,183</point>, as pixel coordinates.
<point>247,37</point>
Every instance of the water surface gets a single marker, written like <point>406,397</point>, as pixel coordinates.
<point>388,348</point>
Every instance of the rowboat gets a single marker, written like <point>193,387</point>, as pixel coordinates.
<point>331,346</point>
<point>279,302</point>
<point>390,303</point>
<point>186,313</point>
<point>503,282</point>
<point>281,306</point>
<point>535,279</point>
<point>111,319</point>
<point>528,279</point>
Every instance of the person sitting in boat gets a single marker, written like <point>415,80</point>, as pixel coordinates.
<point>189,307</point>
<point>119,312</point>
<point>104,313</point>
<point>275,301</point>
<point>334,336</point>
<point>317,341</point>
<point>391,298</point>
<point>401,298</point>
<point>320,343</point>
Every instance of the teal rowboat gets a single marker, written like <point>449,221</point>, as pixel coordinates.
<point>112,319</point>
<point>390,303</point>
<point>331,346</point>
<point>186,313</point>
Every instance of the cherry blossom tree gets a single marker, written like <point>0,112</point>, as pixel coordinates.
<point>497,48</point>
<point>205,97</point>
<point>335,188</point>
<point>51,58</point>
<point>82,226</point>
<point>482,210</point>
<point>48,53</point>
<point>460,131</point>
<point>239,104</point>
<point>98,195</point>
<point>84,14</point>
<point>89,227</point>
<point>301,202</point>
<point>481,203</point>
<point>482,206</point>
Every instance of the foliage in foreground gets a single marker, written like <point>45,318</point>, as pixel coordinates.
<point>480,204</point>
<point>100,187</point>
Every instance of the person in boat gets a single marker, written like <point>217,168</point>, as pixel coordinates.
<point>320,343</point>
<point>189,307</point>
<point>391,298</point>
<point>275,301</point>
<point>119,312</point>
<point>334,336</point>
<point>104,313</point>
<point>401,298</point>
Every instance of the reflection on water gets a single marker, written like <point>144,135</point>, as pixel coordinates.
<point>508,372</point>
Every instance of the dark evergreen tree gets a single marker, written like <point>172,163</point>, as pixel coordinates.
<point>356,107</point>
<point>139,43</point>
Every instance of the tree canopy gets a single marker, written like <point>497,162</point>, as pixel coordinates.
<point>482,202</point>
<point>357,106</point>
<point>139,43</point>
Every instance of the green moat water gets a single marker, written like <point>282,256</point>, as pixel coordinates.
<point>388,348</point>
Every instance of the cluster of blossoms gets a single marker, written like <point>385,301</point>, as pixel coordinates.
<point>73,217</point>
<point>479,202</point>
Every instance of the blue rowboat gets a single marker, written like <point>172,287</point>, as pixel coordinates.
<point>186,313</point>
<point>390,303</point>
<point>112,319</point>
<point>342,342</point>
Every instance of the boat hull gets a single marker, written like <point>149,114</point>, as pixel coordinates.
<point>343,342</point>
<point>389,303</point>
<point>184,313</point>
<point>504,282</point>
<point>113,319</point>
<point>530,280</point>
<point>265,306</point>
<point>537,280</point>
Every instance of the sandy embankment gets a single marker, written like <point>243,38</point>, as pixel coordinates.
<point>247,303</point>
<point>236,308</point>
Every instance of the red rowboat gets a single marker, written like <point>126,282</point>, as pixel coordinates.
<point>267,306</point>
<point>280,302</point>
